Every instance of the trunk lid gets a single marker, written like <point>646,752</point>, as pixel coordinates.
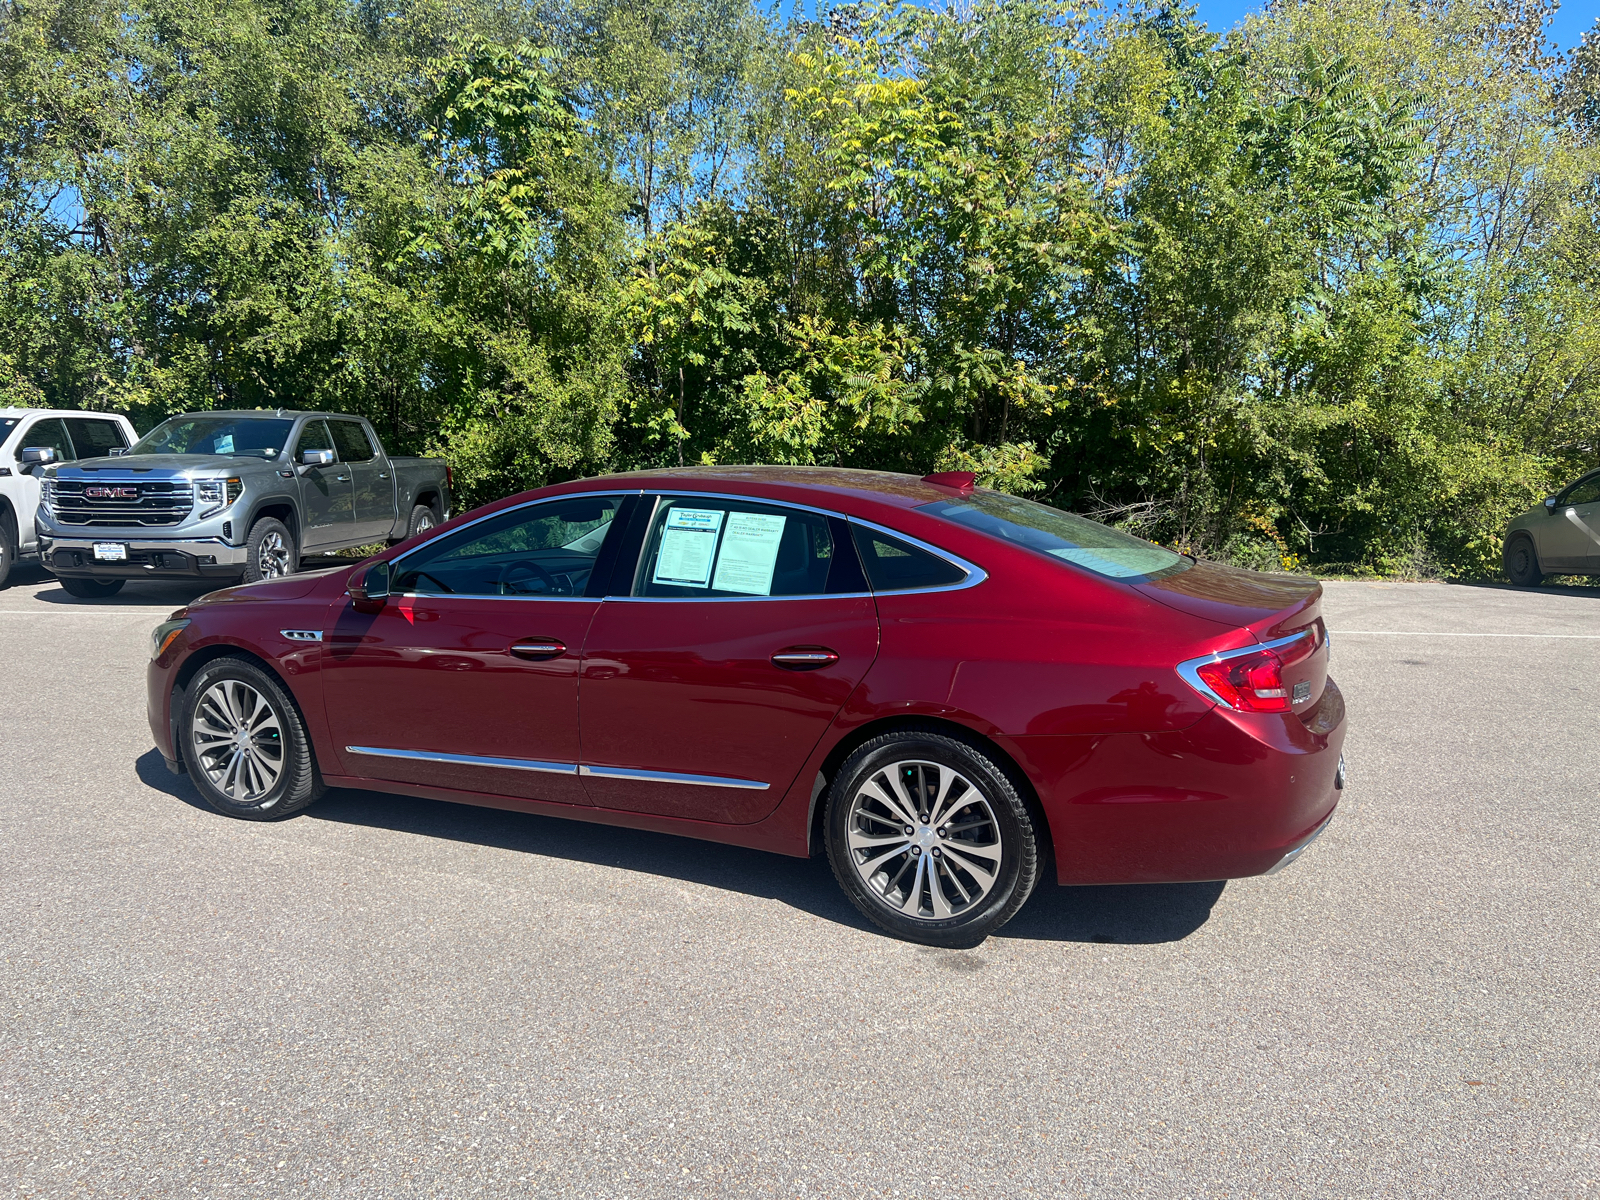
<point>1270,607</point>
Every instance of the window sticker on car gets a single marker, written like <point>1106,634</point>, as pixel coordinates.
<point>749,553</point>
<point>224,444</point>
<point>688,544</point>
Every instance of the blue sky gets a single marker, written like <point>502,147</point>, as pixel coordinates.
<point>1574,19</point>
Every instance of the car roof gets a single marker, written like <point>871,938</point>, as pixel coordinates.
<point>58,412</point>
<point>873,487</point>
<point>288,414</point>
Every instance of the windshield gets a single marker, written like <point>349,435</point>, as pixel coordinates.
<point>1077,540</point>
<point>255,437</point>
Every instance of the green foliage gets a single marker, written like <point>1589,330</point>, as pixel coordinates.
<point>1318,291</point>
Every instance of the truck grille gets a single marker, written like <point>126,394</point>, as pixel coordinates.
<point>157,502</point>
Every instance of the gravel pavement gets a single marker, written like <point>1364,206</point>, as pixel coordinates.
<point>389,997</point>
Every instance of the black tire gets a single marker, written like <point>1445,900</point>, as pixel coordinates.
<point>423,518</point>
<point>270,552</point>
<point>1522,561</point>
<point>90,589</point>
<point>876,879</point>
<point>246,789</point>
<point>8,543</point>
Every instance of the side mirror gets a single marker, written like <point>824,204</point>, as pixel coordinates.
<point>37,456</point>
<point>316,458</point>
<point>1550,505</point>
<point>369,589</point>
<point>116,452</point>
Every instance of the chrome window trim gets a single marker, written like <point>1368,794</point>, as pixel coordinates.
<point>975,573</point>
<point>468,760</point>
<point>638,776</point>
<point>394,563</point>
<point>1189,668</point>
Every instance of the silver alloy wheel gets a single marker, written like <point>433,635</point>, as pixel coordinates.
<point>425,522</point>
<point>924,840</point>
<point>238,740</point>
<point>272,558</point>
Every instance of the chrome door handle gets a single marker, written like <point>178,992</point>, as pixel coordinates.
<point>341,479</point>
<point>538,648</point>
<point>804,658</point>
<point>383,474</point>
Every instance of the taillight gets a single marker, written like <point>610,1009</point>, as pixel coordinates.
<point>1251,679</point>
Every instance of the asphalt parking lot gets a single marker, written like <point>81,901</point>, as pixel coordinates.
<point>396,997</point>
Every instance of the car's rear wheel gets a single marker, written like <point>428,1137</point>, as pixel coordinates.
<point>244,743</point>
<point>90,589</point>
<point>1522,561</point>
<point>930,838</point>
<point>270,551</point>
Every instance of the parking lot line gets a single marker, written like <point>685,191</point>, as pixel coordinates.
<point>1589,637</point>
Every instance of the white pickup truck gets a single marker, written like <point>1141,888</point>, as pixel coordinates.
<point>25,433</point>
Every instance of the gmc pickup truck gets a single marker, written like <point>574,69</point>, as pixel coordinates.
<point>231,496</point>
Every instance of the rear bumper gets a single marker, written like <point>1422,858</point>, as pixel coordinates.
<point>195,558</point>
<point>1233,795</point>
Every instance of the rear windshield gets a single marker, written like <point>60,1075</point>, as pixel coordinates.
<point>1075,539</point>
<point>229,437</point>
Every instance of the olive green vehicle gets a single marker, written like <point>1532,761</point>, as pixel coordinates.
<point>1559,537</point>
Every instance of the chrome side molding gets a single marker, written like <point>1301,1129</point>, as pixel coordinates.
<point>301,635</point>
<point>469,760</point>
<point>672,777</point>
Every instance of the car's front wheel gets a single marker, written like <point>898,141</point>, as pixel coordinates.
<point>930,838</point>
<point>244,743</point>
<point>1522,561</point>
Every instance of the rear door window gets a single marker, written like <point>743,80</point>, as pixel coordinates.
<point>546,549</point>
<point>95,437</point>
<point>352,441</point>
<point>704,547</point>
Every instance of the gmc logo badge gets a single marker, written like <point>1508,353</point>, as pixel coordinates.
<point>111,493</point>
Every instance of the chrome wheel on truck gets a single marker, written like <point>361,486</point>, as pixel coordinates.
<point>930,837</point>
<point>244,743</point>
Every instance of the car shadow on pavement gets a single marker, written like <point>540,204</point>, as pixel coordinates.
<point>1547,589</point>
<point>1134,914</point>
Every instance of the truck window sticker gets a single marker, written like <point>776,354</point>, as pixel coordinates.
<point>688,546</point>
<point>749,553</point>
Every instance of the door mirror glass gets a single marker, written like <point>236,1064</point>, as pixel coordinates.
<point>1550,504</point>
<point>369,589</point>
<point>316,458</point>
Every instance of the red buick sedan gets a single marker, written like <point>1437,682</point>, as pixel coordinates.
<point>948,690</point>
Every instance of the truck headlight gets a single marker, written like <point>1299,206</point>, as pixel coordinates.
<point>214,495</point>
<point>47,493</point>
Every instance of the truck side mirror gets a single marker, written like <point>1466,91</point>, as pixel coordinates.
<point>1550,505</point>
<point>116,452</point>
<point>368,588</point>
<point>37,456</point>
<point>316,458</point>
